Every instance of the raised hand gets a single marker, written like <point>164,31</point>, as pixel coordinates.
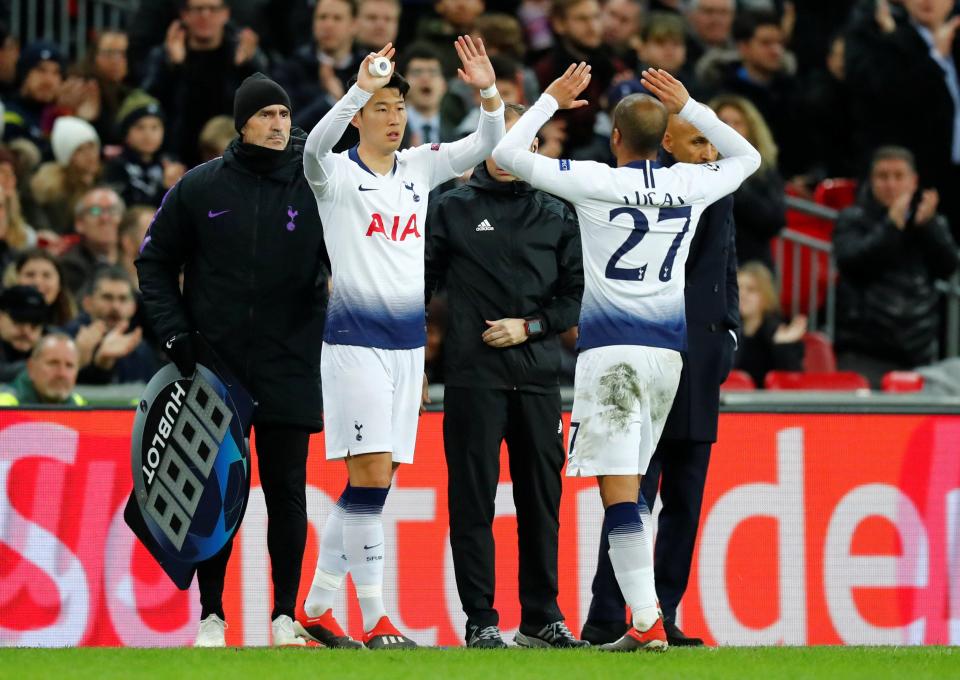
<point>371,83</point>
<point>246,46</point>
<point>568,87</point>
<point>477,71</point>
<point>666,88</point>
<point>176,43</point>
<point>927,207</point>
<point>792,332</point>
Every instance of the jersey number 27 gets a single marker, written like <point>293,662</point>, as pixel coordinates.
<point>640,228</point>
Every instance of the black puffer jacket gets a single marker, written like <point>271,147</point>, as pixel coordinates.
<point>504,250</point>
<point>886,303</point>
<point>255,270</point>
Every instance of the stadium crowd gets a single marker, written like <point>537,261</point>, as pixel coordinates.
<point>822,88</point>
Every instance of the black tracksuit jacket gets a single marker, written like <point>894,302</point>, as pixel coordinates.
<point>503,250</point>
<point>255,277</point>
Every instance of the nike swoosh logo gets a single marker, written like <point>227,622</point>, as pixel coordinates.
<point>212,214</point>
<point>368,547</point>
<point>363,188</point>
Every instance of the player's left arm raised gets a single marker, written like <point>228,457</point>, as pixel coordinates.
<point>458,157</point>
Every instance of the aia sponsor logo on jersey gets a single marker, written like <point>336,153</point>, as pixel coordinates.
<point>391,230</point>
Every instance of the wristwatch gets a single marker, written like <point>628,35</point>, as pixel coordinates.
<point>533,326</point>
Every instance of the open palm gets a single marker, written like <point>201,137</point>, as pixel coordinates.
<point>477,70</point>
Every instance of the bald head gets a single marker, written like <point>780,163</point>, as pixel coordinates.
<point>641,121</point>
<point>686,143</point>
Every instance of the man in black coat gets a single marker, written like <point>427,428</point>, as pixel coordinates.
<point>510,259</point>
<point>893,62</point>
<point>890,247</point>
<point>679,465</point>
<point>246,231</point>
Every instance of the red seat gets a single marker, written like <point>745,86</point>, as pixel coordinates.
<point>841,381</point>
<point>837,193</point>
<point>818,356</point>
<point>902,381</point>
<point>738,381</point>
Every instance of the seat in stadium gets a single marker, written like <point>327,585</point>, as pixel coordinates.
<point>837,193</point>
<point>818,356</point>
<point>738,381</point>
<point>902,381</point>
<point>840,381</point>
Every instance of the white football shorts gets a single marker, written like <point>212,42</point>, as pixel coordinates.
<point>371,400</point>
<point>622,396</point>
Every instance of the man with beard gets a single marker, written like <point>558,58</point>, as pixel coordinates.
<point>40,77</point>
<point>119,355</point>
<point>579,28</point>
<point>22,315</point>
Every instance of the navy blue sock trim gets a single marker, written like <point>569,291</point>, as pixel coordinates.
<point>621,516</point>
<point>342,501</point>
<point>366,496</point>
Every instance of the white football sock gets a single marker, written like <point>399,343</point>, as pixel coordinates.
<point>363,543</point>
<point>331,565</point>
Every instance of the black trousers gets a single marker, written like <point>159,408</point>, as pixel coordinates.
<point>282,462</point>
<point>475,422</point>
<point>679,469</point>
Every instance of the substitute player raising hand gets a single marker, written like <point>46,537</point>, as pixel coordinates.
<point>636,224</point>
<point>372,200</point>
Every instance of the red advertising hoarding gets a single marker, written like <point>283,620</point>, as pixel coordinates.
<point>816,529</point>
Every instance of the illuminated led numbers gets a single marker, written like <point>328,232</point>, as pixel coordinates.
<point>197,430</point>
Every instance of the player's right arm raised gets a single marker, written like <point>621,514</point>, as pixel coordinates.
<point>317,163</point>
<point>739,158</point>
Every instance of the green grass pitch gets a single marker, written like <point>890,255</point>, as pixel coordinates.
<point>780,663</point>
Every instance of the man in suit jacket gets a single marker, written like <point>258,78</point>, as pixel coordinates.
<point>892,62</point>
<point>679,466</point>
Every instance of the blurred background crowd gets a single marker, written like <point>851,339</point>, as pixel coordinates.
<point>853,104</point>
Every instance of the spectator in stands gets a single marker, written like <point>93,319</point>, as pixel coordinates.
<point>317,74</point>
<point>420,65</point>
<point>767,344</point>
<point>377,23</point>
<point>133,229</point>
<point>711,23</point>
<point>828,121</point>
<point>140,174</point>
<point>58,184</point>
<point>762,73</point>
<point>97,221</point>
<point>106,64</point>
<point>759,208</point>
<point>23,314</point>
<point>49,377</point>
<point>503,38</point>
<point>890,249</point>
<point>534,16</point>
<point>40,269</point>
<point>662,45</point>
<point>14,234</point>
<point>40,77</point>
<point>920,55</point>
<point>456,17</point>
<point>120,356</point>
<point>216,137</point>
<point>579,30</point>
<point>198,68</point>
<point>622,20</point>
<point>9,54</point>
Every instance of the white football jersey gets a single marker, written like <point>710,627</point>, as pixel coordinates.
<point>636,225</point>
<point>374,227</point>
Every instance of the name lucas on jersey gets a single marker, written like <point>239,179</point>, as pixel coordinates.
<point>378,226</point>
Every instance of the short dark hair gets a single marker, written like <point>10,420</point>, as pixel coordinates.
<point>184,3</point>
<point>559,8</point>
<point>505,67</point>
<point>663,26</point>
<point>111,273</point>
<point>642,121</point>
<point>893,153</point>
<point>397,82</point>
<point>516,110</point>
<point>418,50</point>
<point>746,24</point>
<point>352,4</point>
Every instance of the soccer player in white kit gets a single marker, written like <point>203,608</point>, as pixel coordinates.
<point>373,200</point>
<point>636,224</point>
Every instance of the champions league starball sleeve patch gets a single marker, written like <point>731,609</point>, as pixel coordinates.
<point>191,468</point>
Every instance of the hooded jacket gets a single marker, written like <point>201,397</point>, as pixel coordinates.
<point>255,277</point>
<point>503,250</point>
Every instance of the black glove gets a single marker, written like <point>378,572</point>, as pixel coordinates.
<point>180,349</point>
